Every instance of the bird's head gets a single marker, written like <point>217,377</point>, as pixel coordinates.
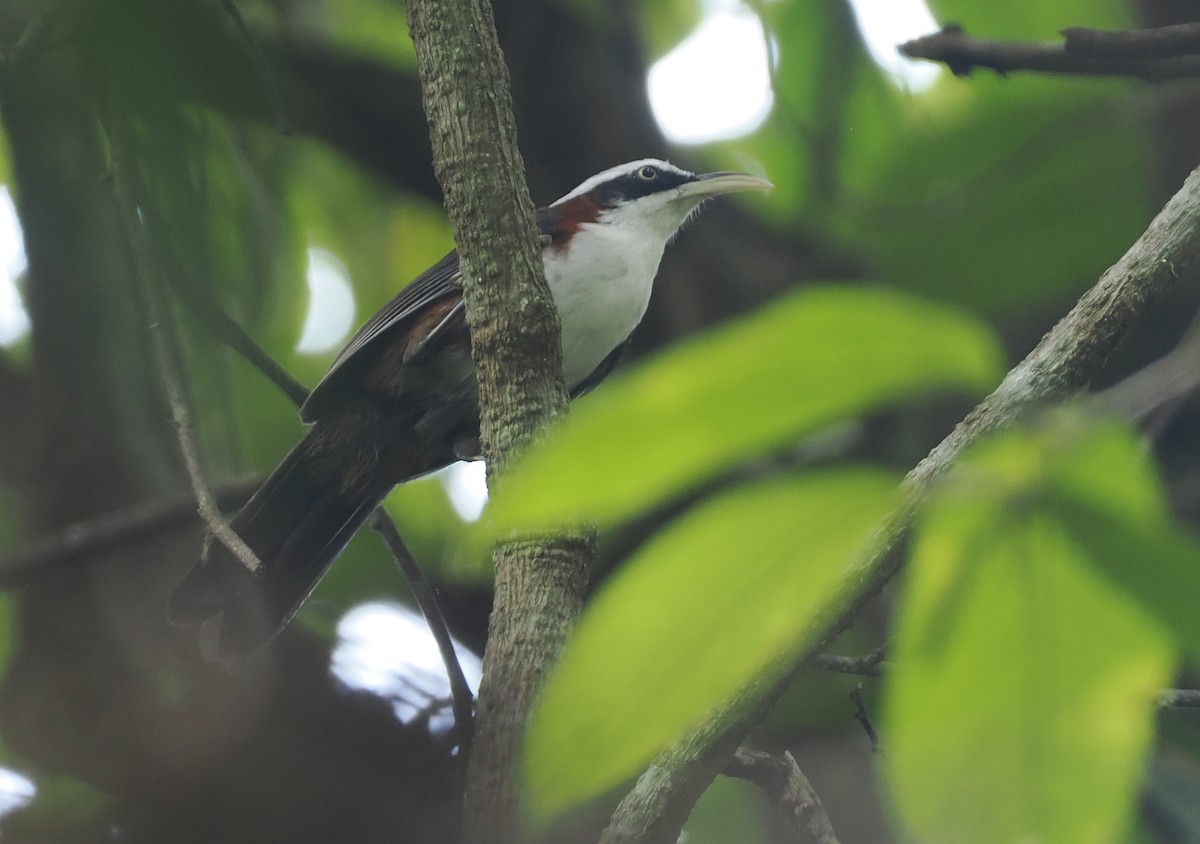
<point>653,195</point>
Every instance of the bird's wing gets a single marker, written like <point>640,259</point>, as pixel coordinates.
<point>440,280</point>
<point>437,284</point>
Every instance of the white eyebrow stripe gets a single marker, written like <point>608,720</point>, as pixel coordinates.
<point>620,170</point>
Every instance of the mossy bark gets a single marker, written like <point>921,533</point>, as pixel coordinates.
<point>515,337</point>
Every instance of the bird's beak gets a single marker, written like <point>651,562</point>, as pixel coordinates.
<point>715,184</point>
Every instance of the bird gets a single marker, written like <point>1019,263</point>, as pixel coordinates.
<point>401,399</point>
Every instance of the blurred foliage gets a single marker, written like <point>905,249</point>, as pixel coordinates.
<point>1000,195</point>
<point>728,811</point>
<point>8,631</point>
<point>753,386</point>
<point>5,167</point>
<point>1032,20</point>
<point>1022,704</point>
<point>64,809</point>
<point>748,572</point>
<point>371,26</point>
<point>978,199</point>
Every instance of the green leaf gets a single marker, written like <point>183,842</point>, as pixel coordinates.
<point>806,361</point>
<point>1155,565</point>
<point>1003,194</point>
<point>716,599</point>
<point>373,27</point>
<point>1099,481</point>
<point>1022,704</point>
<point>1104,465</point>
<point>946,212</point>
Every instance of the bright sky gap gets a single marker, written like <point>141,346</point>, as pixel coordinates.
<point>16,791</point>
<point>330,315</point>
<point>886,23</point>
<point>466,487</point>
<point>14,321</point>
<point>387,649</point>
<point>715,84</point>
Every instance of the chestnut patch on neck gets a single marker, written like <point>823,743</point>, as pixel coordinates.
<point>562,221</point>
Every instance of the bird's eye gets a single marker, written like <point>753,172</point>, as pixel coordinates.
<point>649,173</point>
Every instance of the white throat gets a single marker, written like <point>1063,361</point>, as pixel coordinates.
<point>601,284</point>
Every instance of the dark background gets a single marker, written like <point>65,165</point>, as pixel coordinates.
<point>1007,197</point>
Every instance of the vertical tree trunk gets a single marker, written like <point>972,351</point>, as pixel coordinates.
<point>516,346</point>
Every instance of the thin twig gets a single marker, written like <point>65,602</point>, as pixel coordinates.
<point>868,665</point>
<point>145,272</point>
<point>1179,39</point>
<point>962,53</point>
<point>231,332</point>
<point>202,307</point>
<point>226,329</point>
<point>1179,699</point>
<point>863,718</point>
<point>111,529</point>
<point>426,598</point>
<point>199,304</point>
<point>785,784</point>
<point>262,67</point>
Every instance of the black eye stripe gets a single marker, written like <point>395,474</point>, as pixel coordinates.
<point>635,184</point>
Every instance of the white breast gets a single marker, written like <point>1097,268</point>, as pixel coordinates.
<point>601,284</point>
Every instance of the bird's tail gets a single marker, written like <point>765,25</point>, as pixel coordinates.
<point>296,524</point>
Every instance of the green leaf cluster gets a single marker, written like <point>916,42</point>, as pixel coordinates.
<point>1046,600</point>
<point>736,586</point>
<point>1004,195</point>
<point>751,387</point>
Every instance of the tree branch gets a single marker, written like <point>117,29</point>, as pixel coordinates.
<point>863,717</point>
<point>962,53</point>
<point>103,532</point>
<point>516,348</point>
<point>1179,699</point>
<point>1179,39</point>
<point>785,784</point>
<point>1061,365</point>
<point>463,699</point>
<point>146,273</point>
<point>225,328</point>
<point>868,665</point>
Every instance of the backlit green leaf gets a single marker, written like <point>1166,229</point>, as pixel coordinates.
<point>757,384</point>
<point>1021,706</point>
<point>1157,565</point>
<point>713,601</point>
